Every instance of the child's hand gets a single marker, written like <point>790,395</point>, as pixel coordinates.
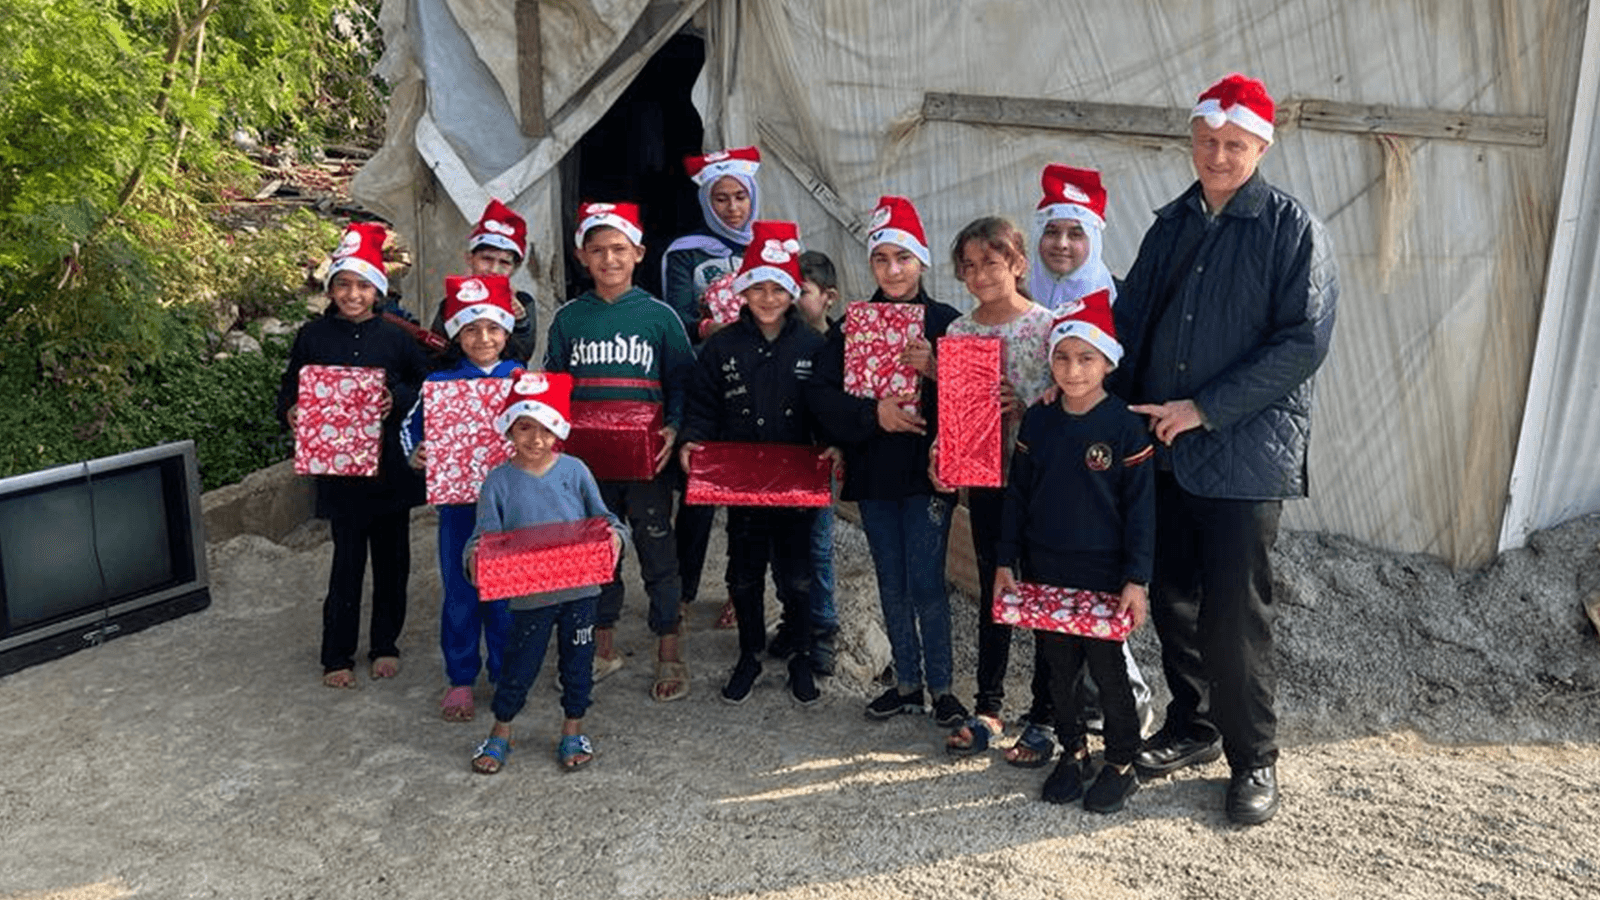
<point>893,417</point>
<point>1010,403</point>
<point>918,354</point>
<point>933,469</point>
<point>518,311</point>
<point>419,457</point>
<point>683,454</point>
<point>670,438</point>
<point>835,456</point>
<point>1135,600</point>
<point>385,403</point>
<point>1004,582</point>
<point>469,567</point>
<point>293,415</point>
<point>616,542</point>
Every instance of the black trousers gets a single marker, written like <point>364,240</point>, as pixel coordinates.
<point>1068,655</point>
<point>1212,605</point>
<point>782,536</point>
<point>692,529</point>
<point>984,509</point>
<point>389,537</point>
<point>647,507</point>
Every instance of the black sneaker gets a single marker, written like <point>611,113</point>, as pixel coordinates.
<point>948,711</point>
<point>744,676</point>
<point>1065,784</point>
<point>892,703</point>
<point>1111,789</point>
<point>802,684</point>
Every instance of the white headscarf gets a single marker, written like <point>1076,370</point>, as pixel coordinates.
<point>1054,291</point>
<point>741,236</point>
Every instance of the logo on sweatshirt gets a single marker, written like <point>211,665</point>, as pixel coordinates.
<point>1097,457</point>
<point>616,351</point>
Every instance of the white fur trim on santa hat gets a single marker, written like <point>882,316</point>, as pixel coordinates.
<point>745,168</point>
<point>766,273</point>
<point>1081,214</point>
<point>1215,116</point>
<point>542,413</point>
<point>605,217</point>
<point>361,267</point>
<point>1087,331</point>
<point>899,238</point>
<point>469,314</point>
<point>496,240</point>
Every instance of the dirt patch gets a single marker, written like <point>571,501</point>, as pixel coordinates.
<point>1440,727</point>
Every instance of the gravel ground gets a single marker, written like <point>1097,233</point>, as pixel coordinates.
<point>1440,741</point>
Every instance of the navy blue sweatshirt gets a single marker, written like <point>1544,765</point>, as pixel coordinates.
<point>1082,496</point>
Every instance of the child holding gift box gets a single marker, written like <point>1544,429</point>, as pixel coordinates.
<point>539,486</point>
<point>620,343</point>
<point>479,316</point>
<point>497,246</point>
<point>371,512</point>
<point>752,384</point>
<point>991,260</point>
<point>1085,451</point>
<point>906,519</point>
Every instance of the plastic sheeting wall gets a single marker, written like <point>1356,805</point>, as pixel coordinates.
<point>1421,400</point>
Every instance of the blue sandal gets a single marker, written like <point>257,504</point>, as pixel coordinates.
<point>490,756</point>
<point>982,729</point>
<point>1039,741</point>
<point>575,752</point>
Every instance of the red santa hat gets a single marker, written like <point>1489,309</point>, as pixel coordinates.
<point>502,228</point>
<point>1089,318</point>
<point>895,221</point>
<point>624,217</point>
<point>1240,100</point>
<point>361,251</point>
<point>468,298</point>
<point>741,162</point>
<point>773,255</point>
<point>545,397</point>
<point>1072,194</point>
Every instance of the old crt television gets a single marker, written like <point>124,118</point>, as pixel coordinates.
<point>97,549</point>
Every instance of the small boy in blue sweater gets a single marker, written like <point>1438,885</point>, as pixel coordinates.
<point>1084,452</point>
<point>478,315</point>
<point>539,486</point>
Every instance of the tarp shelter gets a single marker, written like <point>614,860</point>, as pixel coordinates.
<point>1457,412</point>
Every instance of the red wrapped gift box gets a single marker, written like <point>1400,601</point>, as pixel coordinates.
<point>874,336</point>
<point>722,301</point>
<point>543,558</point>
<point>970,445</point>
<point>340,429</point>
<point>458,430</point>
<point>734,473</point>
<point>1091,614</point>
<point>617,439</point>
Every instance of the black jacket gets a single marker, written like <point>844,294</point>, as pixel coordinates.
<point>746,388</point>
<point>1242,337</point>
<point>879,465</point>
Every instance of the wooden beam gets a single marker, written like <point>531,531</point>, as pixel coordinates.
<point>1158,121</point>
<point>530,69</point>
<point>854,222</point>
<point>1360,118</point>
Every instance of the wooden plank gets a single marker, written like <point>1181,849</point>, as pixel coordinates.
<point>530,69</point>
<point>1360,118</point>
<point>854,222</point>
<point>1157,121</point>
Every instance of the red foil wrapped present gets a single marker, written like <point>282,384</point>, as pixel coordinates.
<point>735,473</point>
<point>617,439</point>
<point>970,440</point>
<point>874,336</point>
<point>458,430</point>
<point>543,558</point>
<point>340,427</point>
<point>722,301</point>
<point>1091,614</point>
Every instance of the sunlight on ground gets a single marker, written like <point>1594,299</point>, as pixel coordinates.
<point>105,890</point>
<point>840,779</point>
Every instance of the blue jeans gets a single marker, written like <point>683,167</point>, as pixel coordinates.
<point>464,620</point>
<point>908,538</point>
<point>573,622</point>
<point>824,617</point>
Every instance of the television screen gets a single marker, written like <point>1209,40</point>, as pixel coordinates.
<point>99,548</point>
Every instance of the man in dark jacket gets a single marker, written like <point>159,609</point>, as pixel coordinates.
<point>1228,311</point>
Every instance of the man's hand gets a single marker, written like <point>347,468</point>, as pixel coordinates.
<point>1135,599</point>
<point>670,435</point>
<point>1170,419</point>
<point>892,417</point>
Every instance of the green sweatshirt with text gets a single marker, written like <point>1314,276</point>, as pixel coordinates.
<point>632,348</point>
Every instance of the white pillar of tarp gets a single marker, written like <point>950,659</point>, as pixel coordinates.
<point>1556,475</point>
